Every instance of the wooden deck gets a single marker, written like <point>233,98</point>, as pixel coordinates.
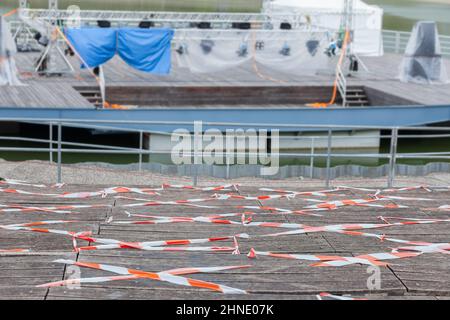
<point>382,76</point>
<point>424,277</point>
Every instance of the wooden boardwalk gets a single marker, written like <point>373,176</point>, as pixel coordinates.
<point>425,276</point>
<point>382,76</point>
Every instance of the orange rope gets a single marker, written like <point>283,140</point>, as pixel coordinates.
<point>255,65</point>
<point>335,86</point>
<point>8,14</point>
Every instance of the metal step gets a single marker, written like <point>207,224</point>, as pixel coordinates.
<point>357,97</point>
<point>91,94</point>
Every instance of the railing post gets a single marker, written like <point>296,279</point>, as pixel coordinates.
<point>312,157</point>
<point>397,42</point>
<point>141,143</point>
<point>197,151</point>
<point>50,137</point>
<point>393,157</point>
<point>59,152</point>
<point>227,159</point>
<point>330,136</point>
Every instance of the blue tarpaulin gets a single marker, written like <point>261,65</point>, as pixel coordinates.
<point>147,50</point>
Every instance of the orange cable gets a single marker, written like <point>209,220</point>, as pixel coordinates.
<point>335,89</point>
<point>10,13</point>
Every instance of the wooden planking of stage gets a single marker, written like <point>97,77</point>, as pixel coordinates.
<point>423,277</point>
<point>383,76</point>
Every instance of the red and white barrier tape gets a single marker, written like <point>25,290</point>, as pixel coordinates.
<point>147,203</point>
<point>58,209</point>
<point>137,245</point>
<point>321,193</point>
<point>14,250</point>
<point>273,210</point>
<point>227,187</point>
<point>443,208</point>
<point>404,198</point>
<point>427,248</point>
<point>373,259</point>
<point>171,276</point>
<point>165,249</point>
<point>385,190</point>
<point>21,183</point>
<point>352,227</point>
<point>255,198</point>
<point>84,195</point>
<point>332,205</point>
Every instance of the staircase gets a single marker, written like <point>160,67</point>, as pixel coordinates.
<point>92,94</point>
<point>356,97</point>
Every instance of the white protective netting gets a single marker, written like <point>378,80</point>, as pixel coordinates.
<point>8,70</point>
<point>367,20</point>
<point>297,52</point>
<point>423,62</point>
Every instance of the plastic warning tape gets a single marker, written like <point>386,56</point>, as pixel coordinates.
<point>391,190</point>
<point>153,248</point>
<point>338,261</point>
<point>332,205</point>
<point>171,276</point>
<point>219,188</point>
<point>373,259</point>
<point>273,210</point>
<point>191,202</point>
<point>404,198</point>
<point>353,227</point>
<point>441,208</point>
<point>321,193</point>
<point>254,198</point>
<point>14,250</point>
<point>17,208</point>
<point>426,248</point>
<point>329,296</point>
<point>66,209</point>
<point>21,183</point>
<point>83,195</point>
<point>162,243</point>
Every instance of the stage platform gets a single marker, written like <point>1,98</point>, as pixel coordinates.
<point>380,83</point>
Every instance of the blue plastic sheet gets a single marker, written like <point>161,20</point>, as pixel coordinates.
<point>96,46</point>
<point>147,50</point>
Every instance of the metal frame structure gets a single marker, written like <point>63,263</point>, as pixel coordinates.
<point>178,20</point>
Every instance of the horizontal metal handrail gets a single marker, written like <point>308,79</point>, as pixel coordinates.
<point>77,122</point>
<point>397,41</point>
<point>85,148</point>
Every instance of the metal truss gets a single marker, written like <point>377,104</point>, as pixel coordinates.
<point>178,18</point>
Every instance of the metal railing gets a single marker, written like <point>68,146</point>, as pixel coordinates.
<point>396,42</point>
<point>341,83</point>
<point>61,147</point>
